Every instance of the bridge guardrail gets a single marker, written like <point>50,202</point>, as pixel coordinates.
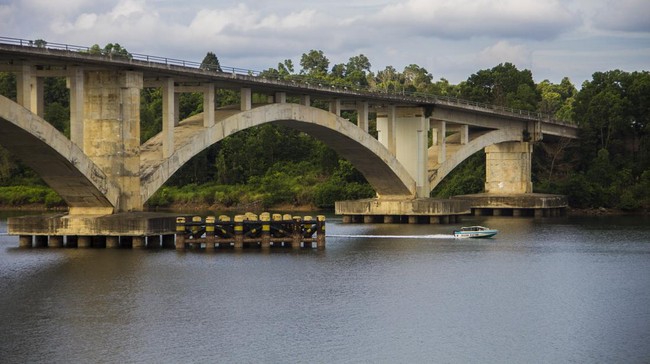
<point>316,84</point>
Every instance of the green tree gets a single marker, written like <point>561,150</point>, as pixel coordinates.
<point>210,63</point>
<point>314,64</point>
<point>503,85</point>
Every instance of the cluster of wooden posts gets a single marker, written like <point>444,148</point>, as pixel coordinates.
<point>264,231</point>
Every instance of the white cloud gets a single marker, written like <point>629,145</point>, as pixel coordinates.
<point>624,15</point>
<point>460,19</point>
<point>504,51</point>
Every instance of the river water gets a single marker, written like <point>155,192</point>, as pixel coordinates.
<point>542,291</point>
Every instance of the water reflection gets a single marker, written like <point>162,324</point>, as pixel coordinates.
<point>547,290</point>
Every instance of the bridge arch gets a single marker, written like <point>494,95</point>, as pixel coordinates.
<point>57,160</point>
<point>493,137</point>
<point>382,170</point>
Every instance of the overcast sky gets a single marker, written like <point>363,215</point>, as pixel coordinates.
<point>452,39</point>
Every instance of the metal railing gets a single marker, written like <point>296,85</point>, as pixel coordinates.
<point>292,80</point>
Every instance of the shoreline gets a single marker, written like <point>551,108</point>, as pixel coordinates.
<point>256,208</point>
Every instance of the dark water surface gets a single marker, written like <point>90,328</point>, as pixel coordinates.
<point>543,291</point>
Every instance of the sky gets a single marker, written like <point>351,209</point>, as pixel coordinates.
<point>451,39</point>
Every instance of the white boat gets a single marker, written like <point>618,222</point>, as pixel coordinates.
<point>475,232</point>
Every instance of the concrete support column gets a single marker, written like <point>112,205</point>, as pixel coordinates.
<point>112,242</point>
<point>25,241</point>
<point>56,241</point>
<point>439,134</point>
<point>138,242</point>
<point>508,168</point>
<point>84,242</point>
<point>37,99</point>
<point>76,86</point>
<point>112,131</point>
<point>24,86</point>
<point>386,129</point>
<point>208,105</point>
<point>168,118</point>
<point>305,100</point>
<point>411,146</point>
<point>335,107</point>
<point>464,134</point>
<point>362,115</point>
<point>281,97</point>
<point>246,99</point>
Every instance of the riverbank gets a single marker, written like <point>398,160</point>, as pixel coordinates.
<point>258,208</point>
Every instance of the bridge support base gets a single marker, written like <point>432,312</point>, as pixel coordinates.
<point>516,205</point>
<point>393,211</point>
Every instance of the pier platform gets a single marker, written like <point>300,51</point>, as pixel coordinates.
<point>160,230</point>
<point>395,211</point>
<point>524,204</point>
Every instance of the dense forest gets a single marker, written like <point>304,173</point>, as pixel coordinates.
<point>609,166</point>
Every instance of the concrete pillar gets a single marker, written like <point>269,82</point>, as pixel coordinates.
<point>239,231</point>
<point>496,212</point>
<point>414,219</point>
<point>389,219</point>
<point>411,145</point>
<point>112,130</point>
<point>37,99</point>
<point>281,97</point>
<point>246,98</point>
<point>335,107</point>
<point>386,129</point>
<point>168,117</point>
<point>434,220</point>
<point>369,219</point>
<point>84,242</point>
<point>305,100</point>
<point>296,237</point>
<point>209,232</point>
<point>112,242</point>
<point>464,134</point>
<point>347,219</point>
<point>138,242</point>
<point>25,241</point>
<point>208,105</point>
<point>320,232</point>
<point>24,86</point>
<point>56,241</point>
<point>362,115</point>
<point>539,213</point>
<point>508,168</point>
<point>516,212</point>
<point>440,132</point>
<point>75,83</point>
<point>266,230</point>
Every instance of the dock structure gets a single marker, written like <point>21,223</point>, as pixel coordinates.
<point>153,230</point>
<point>250,230</point>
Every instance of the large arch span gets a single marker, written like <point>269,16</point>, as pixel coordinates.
<point>382,170</point>
<point>58,161</point>
<point>493,137</point>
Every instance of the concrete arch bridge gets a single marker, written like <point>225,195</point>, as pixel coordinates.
<point>104,169</point>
